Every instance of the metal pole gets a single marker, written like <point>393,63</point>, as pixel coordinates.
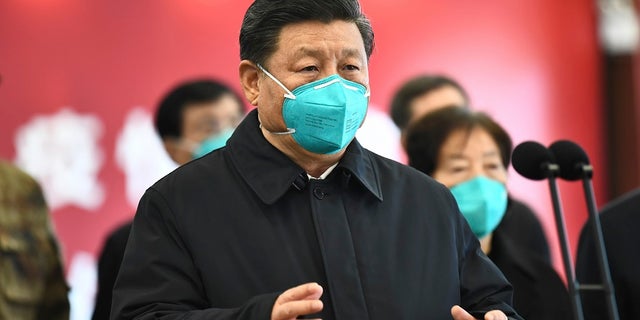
<point>596,230</point>
<point>576,304</point>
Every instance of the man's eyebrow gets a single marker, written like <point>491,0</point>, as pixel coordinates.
<point>313,52</point>
<point>306,51</point>
<point>351,52</point>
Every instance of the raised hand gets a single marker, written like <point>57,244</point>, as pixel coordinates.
<point>298,301</point>
<point>460,314</point>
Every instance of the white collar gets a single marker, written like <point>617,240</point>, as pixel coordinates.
<point>324,174</point>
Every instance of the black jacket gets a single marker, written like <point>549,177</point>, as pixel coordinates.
<point>538,291</point>
<point>620,221</point>
<point>521,225</point>
<point>222,236</point>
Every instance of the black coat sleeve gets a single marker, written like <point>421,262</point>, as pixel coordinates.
<point>158,279</point>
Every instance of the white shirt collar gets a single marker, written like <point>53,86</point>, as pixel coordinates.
<point>325,174</point>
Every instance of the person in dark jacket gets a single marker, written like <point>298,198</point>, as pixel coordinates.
<point>193,118</point>
<point>469,153</point>
<point>620,221</point>
<point>429,92</point>
<point>293,218</point>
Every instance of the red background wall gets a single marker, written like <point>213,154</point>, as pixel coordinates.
<point>534,66</point>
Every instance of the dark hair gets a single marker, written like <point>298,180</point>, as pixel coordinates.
<point>426,136</point>
<point>168,118</point>
<point>264,20</point>
<point>415,87</point>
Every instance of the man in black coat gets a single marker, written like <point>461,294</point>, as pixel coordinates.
<point>293,218</point>
<point>620,221</point>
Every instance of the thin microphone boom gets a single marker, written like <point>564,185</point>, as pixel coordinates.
<point>534,161</point>
<point>574,165</point>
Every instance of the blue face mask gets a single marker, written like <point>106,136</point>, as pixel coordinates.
<point>483,202</point>
<point>323,116</point>
<point>214,142</point>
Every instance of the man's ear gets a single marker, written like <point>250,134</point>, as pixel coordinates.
<point>403,138</point>
<point>249,76</point>
<point>172,150</point>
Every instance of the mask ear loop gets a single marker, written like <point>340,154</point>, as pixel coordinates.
<point>280,133</point>
<point>289,95</point>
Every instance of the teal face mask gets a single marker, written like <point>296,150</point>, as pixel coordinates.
<point>214,142</point>
<point>483,202</point>
<point>323,116</point>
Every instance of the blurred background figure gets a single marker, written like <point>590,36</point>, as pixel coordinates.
<point>620,220</point>
<point>469,153</point>
<point>32,283</point>
<point>193,118</point>
<point>196,118</point>
<point>422,94</point>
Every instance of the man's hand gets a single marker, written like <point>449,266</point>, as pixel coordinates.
<point>460,314</point>
<point>298,301</point>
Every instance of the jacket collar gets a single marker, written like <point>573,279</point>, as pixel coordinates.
<point>270,173</point>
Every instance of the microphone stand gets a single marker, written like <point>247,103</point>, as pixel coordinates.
<point>596,231</point>
<point>552,170</point>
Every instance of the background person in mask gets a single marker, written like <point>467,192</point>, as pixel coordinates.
<point>193,118</point>
<point>469,153</point>
<point>197,117</point>
<point>294,218</point>
<point>429,92</point>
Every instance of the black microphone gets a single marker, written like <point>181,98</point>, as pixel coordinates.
<point>534,161</point>
<point>573,161</point>
<point>574,165</point>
